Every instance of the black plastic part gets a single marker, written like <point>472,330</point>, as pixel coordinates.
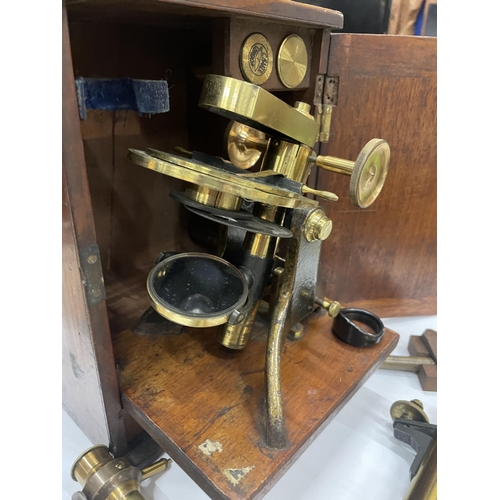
<point>346,330</point>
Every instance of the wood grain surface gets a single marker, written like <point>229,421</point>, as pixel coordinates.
<point>287,11</point>
<point>134,216</point>
<point>383,258</point>
<point>90,386</point>
<point>205,405</point>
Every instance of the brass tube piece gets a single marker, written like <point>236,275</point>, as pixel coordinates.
<point>227,201</point>
<point>334,164</point>
<point>406,363</point>
<point>290,159</point>
<point>202,194</point>
<point>89,462</point>
<point>424,485</point>
<point>263,247</point>
<point>237,336</point>
<point>160,466</point>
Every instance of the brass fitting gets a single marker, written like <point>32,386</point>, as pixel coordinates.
<point>237,336</point>
<point>103,477</point>
<point>332,307</point>
<point>318,226</point>
<point>303,107</point>
<point>411,410</point>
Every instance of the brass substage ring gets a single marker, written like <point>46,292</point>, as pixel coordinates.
<point>292,61</point>
<point>196,289</point>
<point>256,59</point>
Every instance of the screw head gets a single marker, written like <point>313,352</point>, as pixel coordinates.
<point>334,309</point>
<point>297,332</point>
<point>120,465</point>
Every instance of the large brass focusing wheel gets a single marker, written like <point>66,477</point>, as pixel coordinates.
<point>368,172</point>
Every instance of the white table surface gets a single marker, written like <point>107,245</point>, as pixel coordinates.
<point>356,457</point>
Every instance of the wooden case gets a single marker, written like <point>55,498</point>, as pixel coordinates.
<point>118,216</point>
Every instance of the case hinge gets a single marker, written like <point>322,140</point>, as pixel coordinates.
<point>325,98</point>
<point>91,270</point>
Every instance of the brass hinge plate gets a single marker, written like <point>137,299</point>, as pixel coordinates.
<point>91,271</point>
<point>325,98</point>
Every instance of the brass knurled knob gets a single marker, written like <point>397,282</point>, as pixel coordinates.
<point>318,226</point>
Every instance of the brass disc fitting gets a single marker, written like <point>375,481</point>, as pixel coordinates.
<point>104,477</point>
<point>317,226</point>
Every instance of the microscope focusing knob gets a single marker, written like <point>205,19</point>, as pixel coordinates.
<point>368,172</point>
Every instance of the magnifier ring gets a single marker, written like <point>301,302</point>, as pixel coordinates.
<point>345,328</point>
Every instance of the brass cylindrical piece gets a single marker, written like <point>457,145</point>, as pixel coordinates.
<point>213,198</point>
<point>89,462</point>
<point>156,468</point>
<point>406,363</point>
<point>290,159</point>
<point>334,164</point>
<point>129,490</point>
<point>202,194</point>
<point>237,336</point>
<point>261,245</point>
<point>227,201</point>
<point>303,107</point>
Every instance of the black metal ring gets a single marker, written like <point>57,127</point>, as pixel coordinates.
<point>345,329</point>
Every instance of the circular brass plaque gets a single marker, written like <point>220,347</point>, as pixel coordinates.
<point>292,61</point>
<point>256,59</point>
<point>369,173</point>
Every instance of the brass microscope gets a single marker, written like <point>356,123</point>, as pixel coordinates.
<point>270,234</point>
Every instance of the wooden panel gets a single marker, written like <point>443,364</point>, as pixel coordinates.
<point>90,386</point>
<point>135,217</point>
<point>193,396</point>
<point>384,258</point>
<point>295,13</point>
<point>81,392</point>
